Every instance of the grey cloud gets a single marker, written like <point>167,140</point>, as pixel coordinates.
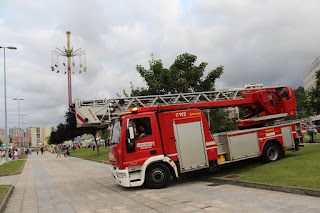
<point>270,42</point>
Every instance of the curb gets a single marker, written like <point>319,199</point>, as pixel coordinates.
<point>6,199</point>
<point>90,159</point>
<point>16,172</point>
<point>287,189</point>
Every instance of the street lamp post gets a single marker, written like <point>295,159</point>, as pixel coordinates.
<point>23,142</point>
<point>5,100</point>
<point>18,99</point>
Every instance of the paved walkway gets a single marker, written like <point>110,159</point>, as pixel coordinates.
<point>50,184</point>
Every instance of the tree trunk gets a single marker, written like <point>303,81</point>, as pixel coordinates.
<point>95,140</point>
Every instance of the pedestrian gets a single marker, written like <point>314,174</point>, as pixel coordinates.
<point>58,151</point>
<point>311,132</point>
<point>41,149</point>
<point>15,155</point>
<point>37,150</point>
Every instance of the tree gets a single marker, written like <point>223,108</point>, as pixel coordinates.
<point>314,96</point>
<point>219,121</point>
<point>69,130</point>
<point>182,76</point>
<point>303,105</point>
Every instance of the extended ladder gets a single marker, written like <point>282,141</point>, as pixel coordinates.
<point>100,112</point>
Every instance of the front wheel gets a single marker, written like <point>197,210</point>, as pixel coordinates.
<point>271,152</point>
<point>157,176</point>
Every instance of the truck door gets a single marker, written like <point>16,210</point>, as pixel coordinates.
<point>190,144</point>
<point>143,145</point>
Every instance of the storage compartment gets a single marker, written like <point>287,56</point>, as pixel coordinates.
<point>244,146</point>
<point>222,145</point>
<point>190,144</point>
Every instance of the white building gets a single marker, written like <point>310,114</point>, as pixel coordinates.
<point>39,135</point>
<point>309,76</point>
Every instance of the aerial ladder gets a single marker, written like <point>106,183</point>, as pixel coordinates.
<point>261,105</point>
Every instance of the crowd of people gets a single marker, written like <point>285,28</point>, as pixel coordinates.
<point>15,152</point>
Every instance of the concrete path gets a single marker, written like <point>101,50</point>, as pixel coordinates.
<point>50,184</point>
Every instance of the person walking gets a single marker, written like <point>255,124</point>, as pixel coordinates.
<point>58,151</point>
<point>15,155</point>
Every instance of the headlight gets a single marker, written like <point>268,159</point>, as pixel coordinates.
<point>121,175</point>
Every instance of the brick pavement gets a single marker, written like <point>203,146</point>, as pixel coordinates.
<point>50,184</point>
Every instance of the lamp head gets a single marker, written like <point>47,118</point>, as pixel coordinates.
<point>12,48</point>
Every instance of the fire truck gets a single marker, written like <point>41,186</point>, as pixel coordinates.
<point>157,137</point>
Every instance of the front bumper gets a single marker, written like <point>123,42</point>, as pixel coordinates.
<point>120,176</point>
<point>127,179</point>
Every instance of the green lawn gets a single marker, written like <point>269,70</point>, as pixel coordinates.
<point>315,138</point>
<point>14,167</point>
<point>297,169</point>
<point>3,191</point>
<point>25,156</point>
<point>87,153</point>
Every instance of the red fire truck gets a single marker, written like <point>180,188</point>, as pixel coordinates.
<point>158,137</point>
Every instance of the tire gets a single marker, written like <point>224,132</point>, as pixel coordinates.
<point>157,176</point>
<point>271,153</point>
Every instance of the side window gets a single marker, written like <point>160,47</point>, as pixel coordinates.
<point>142,128</point>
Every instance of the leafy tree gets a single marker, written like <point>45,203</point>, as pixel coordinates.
<point>219,121</point>
<point>314,96</point>
<point>303,104</point>
<point>182,76</point>
<point>68,130</point>
<point>104,134</point>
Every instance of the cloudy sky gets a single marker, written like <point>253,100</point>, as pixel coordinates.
<point>270,42</point>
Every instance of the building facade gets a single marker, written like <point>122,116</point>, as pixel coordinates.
<point>2,134</point>
<point>14,132</point>
<point>309,76</point>
<point>39,135</point>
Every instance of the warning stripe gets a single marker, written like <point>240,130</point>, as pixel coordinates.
<point>81,119</point>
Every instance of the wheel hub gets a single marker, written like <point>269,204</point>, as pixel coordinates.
<point>272,153</point>
<point>158,176</point>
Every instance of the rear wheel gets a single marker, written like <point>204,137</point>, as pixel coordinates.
<point>157,176</point>
<point>271,152</point>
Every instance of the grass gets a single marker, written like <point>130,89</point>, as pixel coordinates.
<point>3,191</point>
<point>315,138</point>
<point>87,153</point>
<point>14,167</point>
<point>297,169</point>
<point>25,156</point>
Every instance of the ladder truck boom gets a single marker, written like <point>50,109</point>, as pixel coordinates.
<point>261,105</point>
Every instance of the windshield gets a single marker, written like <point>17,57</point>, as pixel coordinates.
<point>116,132</point>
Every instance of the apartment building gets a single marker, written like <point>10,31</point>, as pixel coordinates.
<point>2,134</point>
<point>14,132</point>
<point>39,135</point>
<point>309,76</point>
